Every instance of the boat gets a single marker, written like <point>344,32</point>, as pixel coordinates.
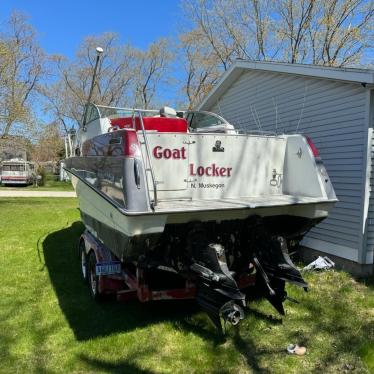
<point>187,193</point>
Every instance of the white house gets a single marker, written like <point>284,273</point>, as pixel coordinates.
<point>333,106</point>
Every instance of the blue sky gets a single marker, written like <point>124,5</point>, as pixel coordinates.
<point>61,25</point>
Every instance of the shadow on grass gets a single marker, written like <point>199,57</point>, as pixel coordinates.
<point>124,366</point>
<point>367,281</point>
<point>264,317</point>
<point>249,351</point>
<point>87,318</point>
<point>329,316</point>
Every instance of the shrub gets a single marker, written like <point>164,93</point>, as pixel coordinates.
<point>42,174</point>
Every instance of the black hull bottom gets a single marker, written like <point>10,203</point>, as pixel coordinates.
<point>129,248</point>
<point>216,256</point>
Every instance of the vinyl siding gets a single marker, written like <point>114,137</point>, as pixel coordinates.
<point>333,115</point>
<point>370,225</point>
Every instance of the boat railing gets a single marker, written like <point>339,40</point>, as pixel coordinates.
<point>150,166</point>
<point>256,132</point>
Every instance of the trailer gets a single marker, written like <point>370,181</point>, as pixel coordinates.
<point>107,276</point>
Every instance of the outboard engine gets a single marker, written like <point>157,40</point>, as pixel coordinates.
<point>273,264</point>
<point>218,292</point>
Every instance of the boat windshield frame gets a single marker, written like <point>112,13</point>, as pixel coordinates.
<point>221,120</point>
<point>117,112</point>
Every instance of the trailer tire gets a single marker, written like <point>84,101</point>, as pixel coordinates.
<point>83,260</point>
<point>93,279</point>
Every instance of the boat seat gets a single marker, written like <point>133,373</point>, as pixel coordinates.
<point>160,124</point>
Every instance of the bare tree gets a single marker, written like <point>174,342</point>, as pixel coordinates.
<point>67,95</point>
<point>295,21</point>
<point>200,66</point>
<point>233,28</point>
<point>152,65</point>
<point>21,69</point>
<point>326,32</point>
<point>208,18</point>
<point>341,32</point>
<point>49,145</point>
<point>331,32</point>
<point>125,76</point>
<point>4,60</point>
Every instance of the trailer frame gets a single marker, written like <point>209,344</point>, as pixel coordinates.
<point>131,282</point>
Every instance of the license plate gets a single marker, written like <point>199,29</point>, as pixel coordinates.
<point>108,268</point>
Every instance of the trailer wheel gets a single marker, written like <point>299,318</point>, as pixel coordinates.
<point>83,260</point>
<point>93,279</point>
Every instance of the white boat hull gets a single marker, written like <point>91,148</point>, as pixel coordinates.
<point>100,215</point>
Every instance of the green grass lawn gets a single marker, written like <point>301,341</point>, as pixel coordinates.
<point>51,184</point>
<point>49,324</point>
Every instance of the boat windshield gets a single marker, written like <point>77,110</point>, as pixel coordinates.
<point>201,120</point>
<point>92,113</point>
<point>112,113</point>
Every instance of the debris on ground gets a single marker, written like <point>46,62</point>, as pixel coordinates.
<point>295,349</point>
<point>347,368</point>
<point>321,263</point>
